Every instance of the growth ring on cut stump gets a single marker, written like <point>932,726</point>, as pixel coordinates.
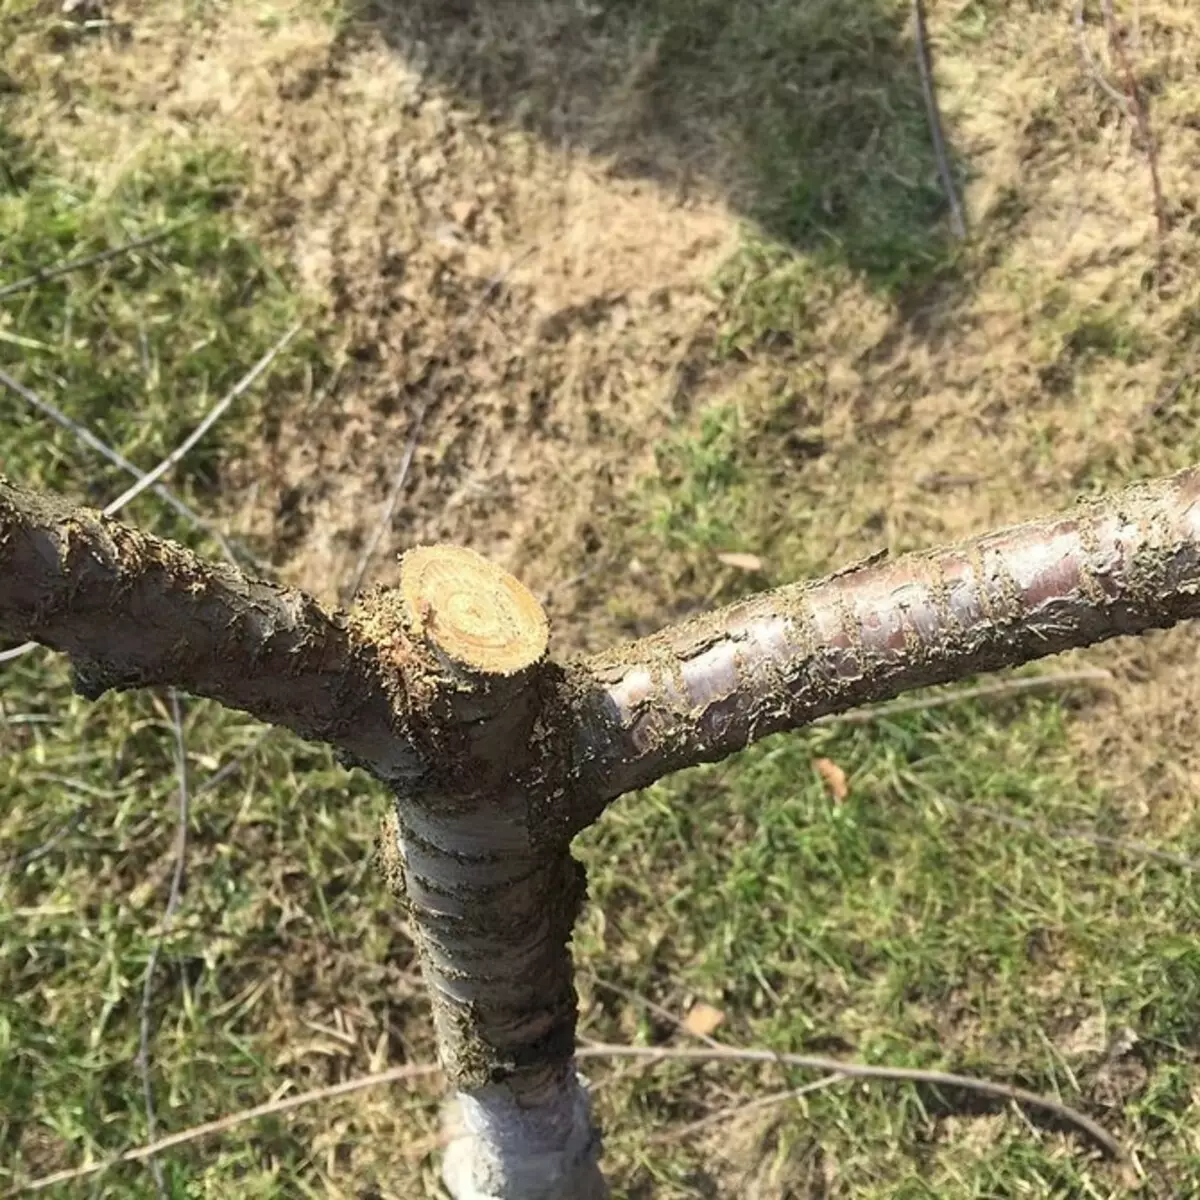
<point>471,611</point>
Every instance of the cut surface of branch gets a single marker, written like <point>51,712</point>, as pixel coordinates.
<point>470,610</point>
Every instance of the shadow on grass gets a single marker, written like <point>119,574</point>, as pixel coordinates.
<point>806,115</point>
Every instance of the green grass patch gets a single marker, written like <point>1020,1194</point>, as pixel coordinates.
<point>826,100</point>
<point>137,348</point>
<point>908,924</point>
<point>941,914</point>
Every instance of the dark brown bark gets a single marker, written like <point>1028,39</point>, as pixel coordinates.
<point>699,691</point>
<point>131,611</point>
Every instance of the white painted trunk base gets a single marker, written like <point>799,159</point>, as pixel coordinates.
<point>500,1150</point>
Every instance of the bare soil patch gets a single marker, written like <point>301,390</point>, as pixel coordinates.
<point>529,308</point>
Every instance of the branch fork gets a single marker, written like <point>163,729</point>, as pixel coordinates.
<point>443,689</point>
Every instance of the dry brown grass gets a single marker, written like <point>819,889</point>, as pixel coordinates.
<point>399,208</point>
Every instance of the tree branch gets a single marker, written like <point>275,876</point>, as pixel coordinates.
<point>132,610</point>
<point>704,689</point>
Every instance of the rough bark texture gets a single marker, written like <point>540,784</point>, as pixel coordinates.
<point>488,879</point>
<point>133,611</point>
<point>701,690</point>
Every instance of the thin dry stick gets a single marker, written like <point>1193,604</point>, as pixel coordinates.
<point>1003,687</point>
<point>435,363</point>
<point>637,998</point>
<point>1116,41</point>
<point>983,1087</point>
<point>654,1054</point>
<point>151,478</point>
<point>745,1106</point>
<point>1054,834</point>
<point>181,837</point>
<point>224,1124</point>
<point>210,418</point>
<point>958,221</point>
<point>89,439</point>
<point>234,764</point>
<point>666,1014</point>
<point>562,585</point>
<point>1166,398</point>
<point>1090,63</point>
<point>393,499</point>
<point>44,274</point>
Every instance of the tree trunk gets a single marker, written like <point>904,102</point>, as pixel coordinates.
<point>482,865</point>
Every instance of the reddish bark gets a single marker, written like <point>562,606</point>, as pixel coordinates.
<point>704,689</point>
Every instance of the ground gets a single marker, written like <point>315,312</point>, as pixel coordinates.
<point>633,286</point>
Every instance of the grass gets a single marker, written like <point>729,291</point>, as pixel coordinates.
<point>138,349</point>
<point>904,923</point>
<point>901,927</point>
<point>829,110</point>
<point>107,344</point>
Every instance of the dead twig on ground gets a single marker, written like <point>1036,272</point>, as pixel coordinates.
<point>958,222</point>
<point>209,419</point>
<point>637,998</point>
<point>1166,398</point>
<point>1056,834</point>
<point>65,830</point>
<point>233,765</point>
<point>173,898</point>
<point>149,480</point>
<point>1089,61</point>
<point>645,1002</point>
<point>939,1079</point>
<point>89,439</point>
<point>838,1071</point>
<point>745,1106</point>
<point>1116,41</point>
<point>393,499</point>
<point>45,274</point>
<point>436,361</point>
<point>1095,676</point>
<point>233,1120</point>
